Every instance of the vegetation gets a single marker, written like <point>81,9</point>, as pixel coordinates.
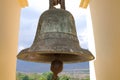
<point>44,76</point>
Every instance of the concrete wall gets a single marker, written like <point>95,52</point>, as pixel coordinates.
<point>106,27</point>
<point>9,28</point>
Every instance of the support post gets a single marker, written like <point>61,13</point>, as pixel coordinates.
<point>106,27</point>
<point>9,28</point>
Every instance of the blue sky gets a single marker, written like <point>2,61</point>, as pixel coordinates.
<point>28,24</point>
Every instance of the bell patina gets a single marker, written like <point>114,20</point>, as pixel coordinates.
<point>56,40</point>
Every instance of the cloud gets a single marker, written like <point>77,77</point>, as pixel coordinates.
<point>81,29</point>
<point>39,5</point>
<point>30,14</point>
<point>83,39</point>
<point>20,48</point>
<point>28,25</point>
<point>27,33</point>
<point>81,23</point>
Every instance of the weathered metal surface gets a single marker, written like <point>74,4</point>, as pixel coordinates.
<point>56,38</point>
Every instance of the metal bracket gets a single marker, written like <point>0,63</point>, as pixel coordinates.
<point>53,3</point>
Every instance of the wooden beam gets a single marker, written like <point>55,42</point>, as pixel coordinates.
<point>23,3</point>
<point>84,3</point>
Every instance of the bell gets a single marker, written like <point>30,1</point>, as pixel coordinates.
<point>56,39</point>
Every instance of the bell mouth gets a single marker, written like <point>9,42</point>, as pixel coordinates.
<point>47,57</point>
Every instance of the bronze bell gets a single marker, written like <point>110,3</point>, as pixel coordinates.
<point>56,38</point>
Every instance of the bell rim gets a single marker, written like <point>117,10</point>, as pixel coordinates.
<point>33,57</point>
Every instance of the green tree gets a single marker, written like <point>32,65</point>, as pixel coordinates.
<point>86,79</point>
<point>64,77</point>
<point>26,78</point>
<point>47,75</point>
<point>42,78</point>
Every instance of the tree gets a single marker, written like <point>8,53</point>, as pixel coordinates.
<point>25,78</point>
<point>64,77</point>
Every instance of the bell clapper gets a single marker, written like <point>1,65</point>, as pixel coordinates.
<point>56,67</point>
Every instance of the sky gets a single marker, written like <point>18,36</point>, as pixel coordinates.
<point>28,25</point>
